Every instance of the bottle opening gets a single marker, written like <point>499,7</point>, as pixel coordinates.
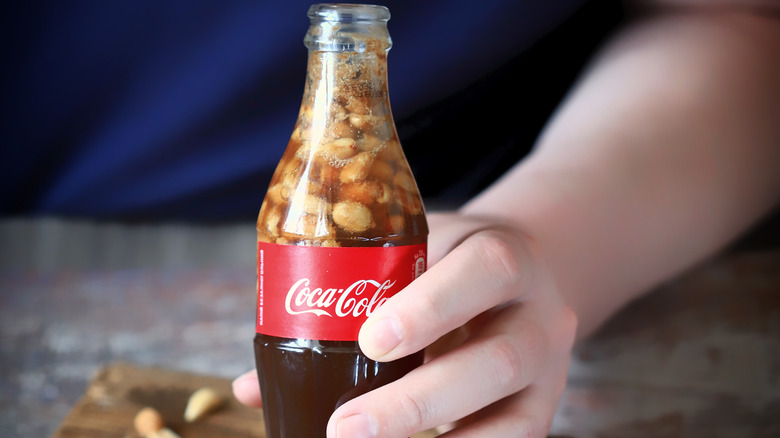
<point>339,27</point>
<point>348,13</point>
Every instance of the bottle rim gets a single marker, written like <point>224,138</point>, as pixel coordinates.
<point>347,12</point>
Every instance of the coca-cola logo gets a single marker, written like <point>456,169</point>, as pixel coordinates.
<point>360,297</point>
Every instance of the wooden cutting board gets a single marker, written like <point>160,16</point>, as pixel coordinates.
<point>120,390</point>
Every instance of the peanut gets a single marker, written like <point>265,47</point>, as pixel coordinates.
<point>397,223</point>
<point>328,174</point>
<point>381,171</point>
<point>329,243</point>
<point>369,143</point>
<point>288,180</point>
<point>164,433</point>
<point>357,120</point>
<point>292,166</point>
<point>367,123</point>
<point>298,133</point>
<point>383,131</point>
<point>358,105</point>
<point>200,403</point>
<point>351,216</point>
<point>147,421</point>
<point>342,149</point>
<point>342,129</point>
<point>391,152</point>
<point>307,203</point>
<point>279,193</point>
<point>305,114</point>
<point>364,192</point>
<point>357,169</point>
<point>404,180</point>
<point>271,221</point>
<point>338,113</point>
<point>386,195</point>
<point>410,202</point>
<point>308,226</point>
<point>304,150</point>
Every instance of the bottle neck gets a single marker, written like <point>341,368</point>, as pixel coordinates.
<point>351,82</point>
<point>347,68</point>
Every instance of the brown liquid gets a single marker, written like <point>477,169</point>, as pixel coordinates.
<point>310,379</point>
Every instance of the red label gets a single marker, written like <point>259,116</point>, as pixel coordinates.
<point>325,293</point>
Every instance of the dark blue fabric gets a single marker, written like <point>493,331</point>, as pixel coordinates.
<point>181,109</point>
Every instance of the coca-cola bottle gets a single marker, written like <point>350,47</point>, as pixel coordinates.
<point>341,229</point>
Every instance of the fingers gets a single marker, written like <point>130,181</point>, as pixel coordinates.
<point>530,412</point>
<point>246,389</point>
<point>495,363</point>
<point>489,268</point>
<point>527,415</point>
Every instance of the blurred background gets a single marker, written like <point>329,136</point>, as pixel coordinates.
<point>138,139</point>
<point>181,110</point>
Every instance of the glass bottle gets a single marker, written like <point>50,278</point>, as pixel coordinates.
<point>341,229</point>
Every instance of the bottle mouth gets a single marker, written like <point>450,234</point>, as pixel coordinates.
<point>341,27</point>
<point>348,13</point>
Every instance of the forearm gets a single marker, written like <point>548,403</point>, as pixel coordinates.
<point>667,149</point>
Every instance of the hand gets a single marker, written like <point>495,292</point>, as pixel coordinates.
<point>498,335</point>
<point>498,338</point>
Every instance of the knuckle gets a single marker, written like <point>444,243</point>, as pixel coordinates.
<point>415,409</point>
<point>517,358</point>
<point>498,257</point>
<point>509,365</point>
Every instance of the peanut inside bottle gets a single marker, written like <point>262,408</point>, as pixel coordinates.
<point>343,181</point>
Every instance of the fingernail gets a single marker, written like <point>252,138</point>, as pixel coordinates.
<point>246,389</point>
<point>248,376</point>
<point>382,337</point>
<point>356,426</point>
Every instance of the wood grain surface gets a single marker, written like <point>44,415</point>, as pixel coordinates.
<point>697,357</point>
<point>120,390</point>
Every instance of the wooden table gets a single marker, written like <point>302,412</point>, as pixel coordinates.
<point>699,357</point>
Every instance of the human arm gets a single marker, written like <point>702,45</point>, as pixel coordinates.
<point>667,150</point>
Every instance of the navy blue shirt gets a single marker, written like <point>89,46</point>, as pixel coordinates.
<point>174,109</point>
